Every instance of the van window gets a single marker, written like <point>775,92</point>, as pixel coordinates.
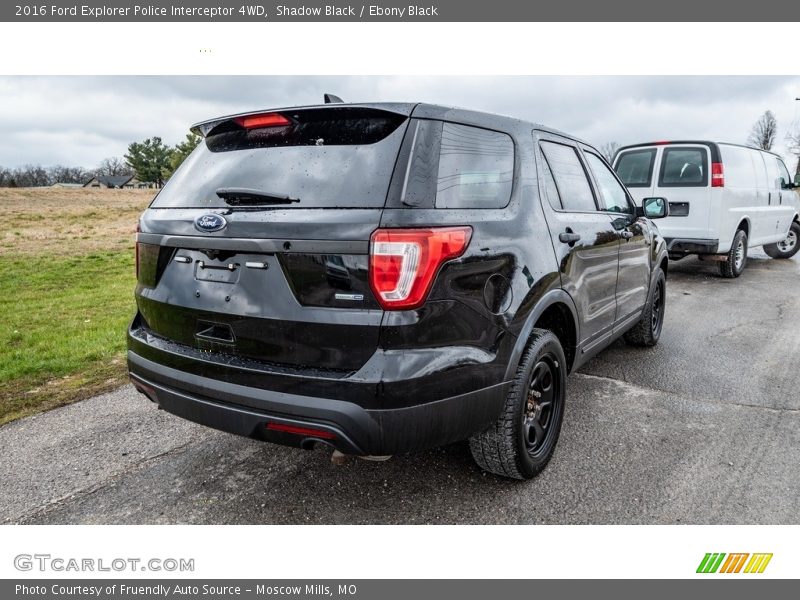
<point>783,172</point>
<point>738,165</point>
<point>773,174</point>
<point>613,197</point>
<point>635,168</point>
<point>476,168</point>
<point>684,167</point>
<point>762,177</point>
<point>573,185</point>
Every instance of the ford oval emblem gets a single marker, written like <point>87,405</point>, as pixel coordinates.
<point>210,222</point>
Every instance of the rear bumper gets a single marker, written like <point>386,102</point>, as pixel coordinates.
<point>691,246</point>
<point>348,427</point>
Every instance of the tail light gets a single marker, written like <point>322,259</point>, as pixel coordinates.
<point>717,175</point>
<point>403,262</point>
<point>262,120</point>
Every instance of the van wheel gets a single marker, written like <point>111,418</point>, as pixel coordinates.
<point>521,442</point>
<point>788,247</point>
<point>647,331</point>
<point>737,257</point>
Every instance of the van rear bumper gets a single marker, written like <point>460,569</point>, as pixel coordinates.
<point>266,414</point>
<point>691,246</point>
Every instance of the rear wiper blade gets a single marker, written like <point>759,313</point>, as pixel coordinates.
<point>250,197</point>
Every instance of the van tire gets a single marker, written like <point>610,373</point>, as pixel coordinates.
<point>647,331</point>
<point>737,257</point>
<point>787,248</point>
<point>505,448</point>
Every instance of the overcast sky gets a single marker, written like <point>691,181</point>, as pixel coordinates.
<point>78,121</point>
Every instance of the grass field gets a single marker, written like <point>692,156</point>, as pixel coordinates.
<point>67,278</point>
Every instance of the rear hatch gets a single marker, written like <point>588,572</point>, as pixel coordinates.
<point>258,245</point>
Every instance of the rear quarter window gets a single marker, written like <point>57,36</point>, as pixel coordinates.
<point>476,168</point>
<point>455,166</point>
<point>684,167</point>
<point>635,168</point>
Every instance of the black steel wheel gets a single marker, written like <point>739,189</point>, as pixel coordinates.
<point>522,440</point>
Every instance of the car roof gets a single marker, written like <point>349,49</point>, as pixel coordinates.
<point>419,110</point>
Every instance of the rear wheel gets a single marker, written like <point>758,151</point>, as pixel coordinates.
<point>521,442</point>
<point>647,331</point>
<point>737,257</point>
<point>788,247</point>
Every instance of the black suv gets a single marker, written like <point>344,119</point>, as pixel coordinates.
<point>384,278</point>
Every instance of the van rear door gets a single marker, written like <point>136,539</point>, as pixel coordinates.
<point>258,245</point>
<point>683,178</point>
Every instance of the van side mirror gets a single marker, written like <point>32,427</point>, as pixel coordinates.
<point>654,208</point>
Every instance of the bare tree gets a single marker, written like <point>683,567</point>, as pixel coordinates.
<point>609,149</point>
<point>62,174</point>
<point>764,132</point>
<point>112,166</point>
<point>29,176</point>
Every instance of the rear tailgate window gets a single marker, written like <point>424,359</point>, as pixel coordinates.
<point>323,158</point>
<point>684,167</point>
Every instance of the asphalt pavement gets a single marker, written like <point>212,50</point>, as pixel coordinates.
<point>704,428</point>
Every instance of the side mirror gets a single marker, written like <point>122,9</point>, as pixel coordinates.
<point>655,208</point>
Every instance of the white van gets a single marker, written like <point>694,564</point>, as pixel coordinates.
<point>723,199</point>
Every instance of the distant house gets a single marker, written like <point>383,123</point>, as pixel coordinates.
<point>118,182</point>
<point>61,184</point>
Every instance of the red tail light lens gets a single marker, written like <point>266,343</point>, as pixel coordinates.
<point>717,175</point>
<point>263,120</point>
<point>403,262</point>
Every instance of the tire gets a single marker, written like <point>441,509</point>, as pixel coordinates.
<point>788,247</point>
<point>522,440</point>
<point>647,331</point>
<point>737,257</point>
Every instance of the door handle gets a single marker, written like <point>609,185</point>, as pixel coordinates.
<point>626,234</point>
<point>568,237</point>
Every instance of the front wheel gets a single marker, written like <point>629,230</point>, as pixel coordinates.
<point>647,331</point>
<point>736,258</point>
<point>788,247</point>
<point>522,440</point>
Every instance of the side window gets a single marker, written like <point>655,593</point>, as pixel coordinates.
<point>783,172</point>
<point>573,185</point>
<point>635,168</point>
<point>613,196</point>
<point>741,165</point>
<point>476,168</point>
<point>684,167</point>
<point>773,175</point>
<point>550,188</point>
